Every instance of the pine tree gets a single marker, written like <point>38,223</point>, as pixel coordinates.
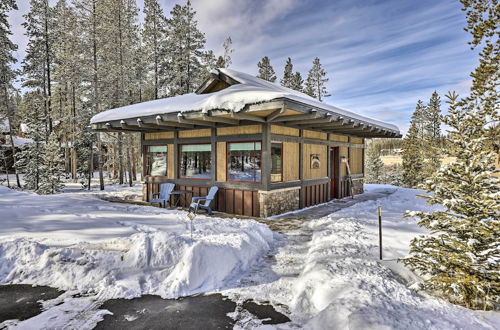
<point>266,71</point>
<point>431,136</point>
<point>185,70</point>
<point>297,82</point>
<point>7,74</point>
<point>52,169</point>
<point>154,36</point>
<point>288,76</point>
<point>316,80</point>
<point>460,257</point>
<point>224,61</point>
<point>39,60</point>
<point>31,157</point>
<point>413,157</point>
<point>373,166</point>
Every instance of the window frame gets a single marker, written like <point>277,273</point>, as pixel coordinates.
<point>179,146</point>
<point>281,156</point>
<point>147,164</point>
<point>228,159</point>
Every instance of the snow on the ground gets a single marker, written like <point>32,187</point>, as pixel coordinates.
<point>328,275</point>
<point>76,241</point>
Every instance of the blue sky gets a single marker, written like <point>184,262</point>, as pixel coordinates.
<point>381,56</point>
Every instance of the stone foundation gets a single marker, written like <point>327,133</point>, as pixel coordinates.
<point>358,186</point>
<point>278,201</point>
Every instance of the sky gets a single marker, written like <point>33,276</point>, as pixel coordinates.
<point>381,56</point>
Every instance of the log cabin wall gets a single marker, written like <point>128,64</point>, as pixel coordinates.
<point>301,182</point>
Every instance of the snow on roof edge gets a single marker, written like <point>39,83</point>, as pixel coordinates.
<point>251,90</point>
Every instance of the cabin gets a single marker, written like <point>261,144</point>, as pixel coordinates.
<point>268,148</point>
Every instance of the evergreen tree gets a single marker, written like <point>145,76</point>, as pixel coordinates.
<point>297,82</point>
<point>460,257</point>
<point>288,75</point>
<point>154,36</point>
<point>316,80</point>
<point>373,166</point>
<point>185,70</point>
<point>413,158</point>
<point>266,71</point>
<point>431,136</point>
<point>31,157</point>
<point>52,169</point>
<point>7,74</point>
<point>39,60</point>
<point>224,61</point>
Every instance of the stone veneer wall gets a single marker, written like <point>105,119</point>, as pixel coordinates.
<point>278,201</point>
<point>358,186</point>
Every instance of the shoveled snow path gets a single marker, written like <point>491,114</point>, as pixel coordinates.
<point>326,274</point>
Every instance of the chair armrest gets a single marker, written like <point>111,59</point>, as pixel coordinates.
<point>194,199</point>
<point>199,200</point>
<point>155,194</point>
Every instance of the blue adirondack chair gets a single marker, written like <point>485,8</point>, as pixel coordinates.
<point>196,202</point>
<point>164,195</point>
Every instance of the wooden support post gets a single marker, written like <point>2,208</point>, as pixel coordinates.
<point>380,230</point>
<point>176,154</point>
<point>266,156</point>
<point>213,155</point>
<point>302,193</point>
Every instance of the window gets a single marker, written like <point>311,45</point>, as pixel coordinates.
<point>195,162</point>
<point>156,160</point>
<point>276,162</point>
<point>244,161</point>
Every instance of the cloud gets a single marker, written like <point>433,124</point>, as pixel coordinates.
<point>381,56</point>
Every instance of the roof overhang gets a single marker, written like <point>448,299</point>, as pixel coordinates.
<point>281,111</point>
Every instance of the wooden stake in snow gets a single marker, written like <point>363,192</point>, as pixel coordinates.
<point>380,230</point>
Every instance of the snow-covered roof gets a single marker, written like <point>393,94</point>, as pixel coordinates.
<point>249,90</point>
<point>18,141</point>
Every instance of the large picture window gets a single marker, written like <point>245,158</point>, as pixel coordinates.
<point>156,160</point>
<point>276,162</point>
<point>195,162</point>
<point>244,160</point>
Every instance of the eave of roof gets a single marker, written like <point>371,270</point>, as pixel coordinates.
<point>246,92</point>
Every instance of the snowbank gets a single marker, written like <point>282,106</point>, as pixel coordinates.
<point>75,241</point>
<point>344,286</point>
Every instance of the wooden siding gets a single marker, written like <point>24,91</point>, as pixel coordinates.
<point>315,194</point>
<point>339,138</point>
<point>234,201</point>
<point>314,135</point>
<point>343,152</point>
<point>221,161</point>
<point>356,161</point>
<point>322,151</point>
<point>170,161</point>
<point>194,133</point>
<point>246,129</point>
<point>282,130</point>
<point>158,135</point>
<point>357,140</point>
<point>290,161</point>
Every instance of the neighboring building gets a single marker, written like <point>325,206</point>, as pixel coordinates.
<point>268,148</point>
<point>6,158</point>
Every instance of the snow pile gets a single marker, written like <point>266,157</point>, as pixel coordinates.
<point>78,242</point>
<point>344,286</point>
<point>250,90</point>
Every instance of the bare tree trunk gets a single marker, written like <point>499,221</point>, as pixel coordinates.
<point>120,158</point>
<point>6,168</point>
<point>91,166</point>
<point>129,161</point>
<point>96,93</point>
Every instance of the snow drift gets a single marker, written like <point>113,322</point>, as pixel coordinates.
<point>121,250</point>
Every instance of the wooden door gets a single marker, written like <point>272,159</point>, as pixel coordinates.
<point>335,172</point>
